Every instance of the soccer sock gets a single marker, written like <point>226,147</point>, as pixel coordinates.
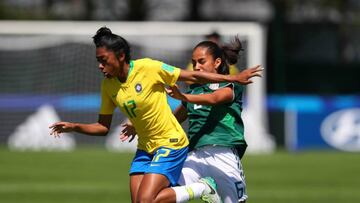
<point>188,192</point>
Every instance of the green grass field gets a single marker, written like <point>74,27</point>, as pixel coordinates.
<point>96,175</point>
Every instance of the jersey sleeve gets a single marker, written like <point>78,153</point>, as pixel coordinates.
<point>232,86</point>
<point>188,91</point>
<point>163,73</point>
<point>226,84</point>
<point>238,91</point>
<point>107,105</point>
<point>217,86</point>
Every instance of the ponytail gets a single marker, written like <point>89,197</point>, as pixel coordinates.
<point>105,38</point>
<point>230,55</point>
<point>231,51</point>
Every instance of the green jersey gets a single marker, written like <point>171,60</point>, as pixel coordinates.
<point>216,125</point>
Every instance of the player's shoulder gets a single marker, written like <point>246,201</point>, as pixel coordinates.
<point>145,63</point>
<point>107,81</point>
<point>238,86</point>
<point>238,90</point>
<point>142,60</point>
<point>107,84</point>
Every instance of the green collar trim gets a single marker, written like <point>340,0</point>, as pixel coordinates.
<point>131,68</point>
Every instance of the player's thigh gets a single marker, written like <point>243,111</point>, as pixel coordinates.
<point>150,187</point>
<point>225,167</point>
<point>135,181</point>
<point>232,187</point>
<point>139,165</point>
<point>191,171</point>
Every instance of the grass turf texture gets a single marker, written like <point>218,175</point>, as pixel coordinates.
<point>96,175</point>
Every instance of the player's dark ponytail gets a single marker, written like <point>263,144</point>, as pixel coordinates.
<point>231,51</point>
<point>105,38</point>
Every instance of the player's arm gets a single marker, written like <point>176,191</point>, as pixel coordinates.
<point>201,77</point>
<point>101,128</point>
<point>223,95</point>
<point>128,131</point>
<point>180,113</point>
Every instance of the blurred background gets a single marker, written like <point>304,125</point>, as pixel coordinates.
<point>303,115</point>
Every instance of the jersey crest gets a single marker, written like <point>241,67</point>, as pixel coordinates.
<point>138,87</point>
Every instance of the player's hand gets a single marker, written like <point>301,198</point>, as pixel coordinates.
<point>127,132</point>
<point>174,92</point>
<point>61,127</point>
<point>244,76</point>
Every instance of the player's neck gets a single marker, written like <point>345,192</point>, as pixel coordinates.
<point>123,74</point>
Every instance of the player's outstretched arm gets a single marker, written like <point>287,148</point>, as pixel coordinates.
<point>100,128</point>
<point>220,96</point>
<point>205,77</point>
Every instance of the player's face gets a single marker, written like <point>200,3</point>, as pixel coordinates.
<point>108,63</point>
<point>203,61</point>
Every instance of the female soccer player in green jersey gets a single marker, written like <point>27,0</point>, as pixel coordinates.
<point>216,130</point>
<point>137,87</point>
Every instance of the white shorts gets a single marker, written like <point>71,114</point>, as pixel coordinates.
<point>222,164</point>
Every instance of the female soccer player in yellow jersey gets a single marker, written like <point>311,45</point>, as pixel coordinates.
<point>137,87</point>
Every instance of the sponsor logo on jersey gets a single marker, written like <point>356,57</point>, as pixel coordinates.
<point>214,86</point>
<point>138,87</point>
<point>173,140</point>
<point>154,164</point>
<point>341,129</point>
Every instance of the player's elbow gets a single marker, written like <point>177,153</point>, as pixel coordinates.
<point>102,130</point>
<point>213,102</point>
<point>103,133</point>
<point>100,133</point>
<point>219,100</point>
<point>193,77</point>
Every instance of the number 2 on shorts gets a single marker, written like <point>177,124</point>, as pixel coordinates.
<point>161,153</point>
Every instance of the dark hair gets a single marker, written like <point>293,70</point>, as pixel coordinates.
<point>228,53</point>
<point>105,38</point>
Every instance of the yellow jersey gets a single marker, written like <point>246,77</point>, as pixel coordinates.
<point>143,99</point>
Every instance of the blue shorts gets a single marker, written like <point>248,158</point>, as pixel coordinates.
<point>165,161</point>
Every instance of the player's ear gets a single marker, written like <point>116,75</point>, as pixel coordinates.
<point>217,63</point>
<point>120,56</point>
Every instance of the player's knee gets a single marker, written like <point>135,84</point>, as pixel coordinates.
<point>145,198</point>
